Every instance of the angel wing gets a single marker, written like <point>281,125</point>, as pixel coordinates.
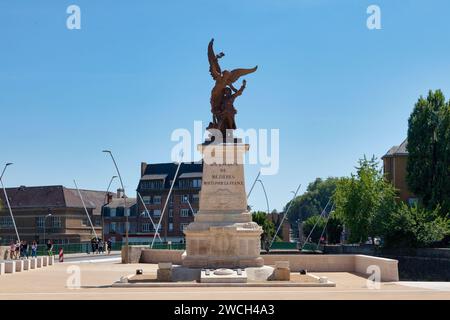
<point>237,73</point>
<point>214,67</point>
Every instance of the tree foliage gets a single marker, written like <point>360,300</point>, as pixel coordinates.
<point>363,200</point>
<point>428,166</point>
<point>414,227</point>
<point>267,225</point>
<point>313,201</point>
<point>309,224</point>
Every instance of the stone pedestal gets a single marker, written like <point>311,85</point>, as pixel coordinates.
<point>164,272</point>
<point>223,234</point>
<point>282,271</point>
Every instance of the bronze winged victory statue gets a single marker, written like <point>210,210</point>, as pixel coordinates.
<point>224,93</point>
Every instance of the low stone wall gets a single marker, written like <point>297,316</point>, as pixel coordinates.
<point>156,256</point>
<point>134,253</point>
<point>388,267</point>
<point>314,262</point>
<point>337,263</point>
<point>310,262</point>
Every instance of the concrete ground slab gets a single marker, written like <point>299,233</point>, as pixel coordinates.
<point>97,278</point>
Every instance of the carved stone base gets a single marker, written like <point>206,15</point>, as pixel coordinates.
<point>223,234</point>
<point>234,246</point>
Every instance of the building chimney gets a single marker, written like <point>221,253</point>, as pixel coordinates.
<point>109,197</point>
<point>120,193</point>
<point>143,167</point>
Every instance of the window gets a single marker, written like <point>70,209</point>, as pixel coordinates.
<point>157,200</point>
<point>197,183</point>
<point>195,198</point>
<point>156,213</point>
<point>113,227</point>
<point>6,222</point>
<point>171,199</point>
<point>183,226</point>
<point>153,184</point>
<point>56,222</point>
<point>184,212</point>
<point>184,198</point>
<point>170,212</point>
<point>147,227</point>
<point>170,226</point>
<point>112,212</point>
<point>39,222</point>
<point>147,199</point>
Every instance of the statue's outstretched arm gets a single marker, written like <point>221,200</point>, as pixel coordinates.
<point>241,89</point>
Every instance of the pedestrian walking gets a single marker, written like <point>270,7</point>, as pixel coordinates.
<point>50,248</point>
<point>93,241</point>
<point>25,249</point>
<point>12,250</point>
<point>109,246</point>
<point>34,249</point>
<point>17,250</point>
<point>100,246</point>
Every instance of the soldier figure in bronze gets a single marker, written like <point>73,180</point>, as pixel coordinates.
<point>224,93</point>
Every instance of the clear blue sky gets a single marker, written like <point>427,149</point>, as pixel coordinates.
<point>137,70</point>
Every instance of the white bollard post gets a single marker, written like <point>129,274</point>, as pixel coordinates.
<point>45,261</point>
<point>26,264</point>
<point>19,265</point>
<point>39,262</point>
<point>2,268</point>
<point>51,260</point>
<point>33,263</point>
<point>10,267</point>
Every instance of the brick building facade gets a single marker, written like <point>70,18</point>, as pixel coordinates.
<point>394,168</point>
<point>50,212</point>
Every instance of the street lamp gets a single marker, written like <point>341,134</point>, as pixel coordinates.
<point>124,201</point>
<point>265,194</point>
<point>186,198</point>
<point>7,200</point>
<point>103,208</point>
<point>45,218</point>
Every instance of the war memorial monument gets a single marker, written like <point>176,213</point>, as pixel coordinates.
<point>223,244</point>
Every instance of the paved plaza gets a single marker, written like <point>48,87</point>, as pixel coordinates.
<point>97,276</point>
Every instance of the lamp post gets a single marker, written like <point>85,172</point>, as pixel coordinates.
<point>186,198</point>
<point>7,200</point>
<point>124,201</point>
<point>103,208</point>
<point>45,218</point>
<point>265,194</point>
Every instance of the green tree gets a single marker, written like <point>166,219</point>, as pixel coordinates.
<point>267,225</point>
<point>308,225</point>
<point>312,202</point>
<point>414,227</point>
<point>428,166</point>
<point>363,200</point>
